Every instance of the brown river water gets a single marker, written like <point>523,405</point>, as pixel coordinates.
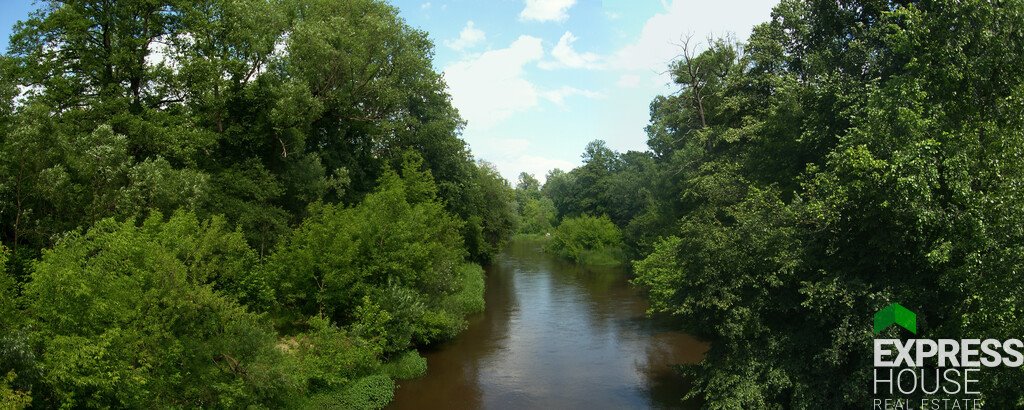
<point>555,336</point>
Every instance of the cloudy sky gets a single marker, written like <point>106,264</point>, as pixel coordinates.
<point>538,79</point>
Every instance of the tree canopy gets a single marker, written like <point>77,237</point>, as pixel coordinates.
<point>231,203</point>
<point>848,155</point>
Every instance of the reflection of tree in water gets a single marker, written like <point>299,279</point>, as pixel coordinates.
<point>454,367</point>
<point>581,336</point>
<point>665,384</point>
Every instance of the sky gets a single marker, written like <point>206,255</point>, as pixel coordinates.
<point>536,80</point>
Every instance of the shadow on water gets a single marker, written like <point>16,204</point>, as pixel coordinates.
<point>556,335</point>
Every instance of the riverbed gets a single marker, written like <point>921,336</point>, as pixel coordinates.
<point>555,335</point>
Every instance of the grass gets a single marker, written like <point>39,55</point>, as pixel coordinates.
<point>601,257</point>
<point>530,237</point>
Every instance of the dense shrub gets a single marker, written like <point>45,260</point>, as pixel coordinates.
<point>393,258</point>
<point>8,293</point>
<point>408,365</point>
<point>11,398</point>
<point>243,129</point>
<point>129,316</point>
<point>368,393</point>
<point>588,240</point>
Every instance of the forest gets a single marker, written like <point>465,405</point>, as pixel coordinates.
<point>231,204</point>
<point>267,203</point>
<point>848,155</point>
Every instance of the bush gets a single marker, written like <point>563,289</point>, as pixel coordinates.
<point>327,358</point>
<point>371,392</point>
<point>11,398</point>
<point>470,298</point>
<point>9,315</point>
<point>399,249</point>
<point>124,317</point>
<point>588,240</point>
<point>408,365</point>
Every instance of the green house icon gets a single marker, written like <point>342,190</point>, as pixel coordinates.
<point>895,314</point>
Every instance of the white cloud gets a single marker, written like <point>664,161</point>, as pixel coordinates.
<point>539,166</point>
<point>490,87</point>
<point>546,10</point>
<point>565,56</point>
<point>628,81</point>
<point>470,36</point>
<point>425,6</point>
<point>659,40</point>
<point>512,155</point>
<point>559,95</point>
<point>508,146</point>
<point>533,164</point>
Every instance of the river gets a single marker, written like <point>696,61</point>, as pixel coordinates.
<point>555,336</point>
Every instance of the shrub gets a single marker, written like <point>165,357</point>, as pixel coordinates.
<point>399,248</point>
<point>408,365</point>
<point>327,358</point>
<point>470,298</point>
<point>371,392</point>
<point>125,317</point>
<point>588,240</point>
<point>11,398</point>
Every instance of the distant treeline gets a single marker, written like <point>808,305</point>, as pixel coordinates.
<point>849,155</point>
<point>231,204</point>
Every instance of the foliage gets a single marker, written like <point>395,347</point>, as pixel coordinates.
<point>10,398</point>
<point>128,315</point>
<point>373,392</point>
<point>850,155</point>
<point>295,258</point>
<point>408,365</point>
<point>12,394</point>
<point>537,213</point>
<point>251,109</point>
<point>588,240</point>
<point>327,358</point>
<point>393,254</point>
<point>469,298</point>
<point>8,295</point>
<point>619,185</point>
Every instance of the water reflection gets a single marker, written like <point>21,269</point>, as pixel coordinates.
<point>555,335</point>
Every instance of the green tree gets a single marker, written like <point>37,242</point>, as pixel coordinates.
<point>587,240</point>
<point>129,316</point>
<point>538,216</point>
<point>827,168</point>
<point>392,257</point>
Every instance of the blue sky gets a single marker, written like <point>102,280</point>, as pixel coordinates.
<point>538,79</point>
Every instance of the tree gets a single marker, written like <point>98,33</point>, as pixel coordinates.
<point>243,119</point>
<point>538,216</point>
<point>587,240</point>
<point>130,316</point>
<point>393,257</point>
<point>838,168</point>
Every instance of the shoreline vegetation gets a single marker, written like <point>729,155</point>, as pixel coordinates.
<point>273,211</point>
<point>588,240</point>
<point>846,156</point>
<point>267,204</point>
